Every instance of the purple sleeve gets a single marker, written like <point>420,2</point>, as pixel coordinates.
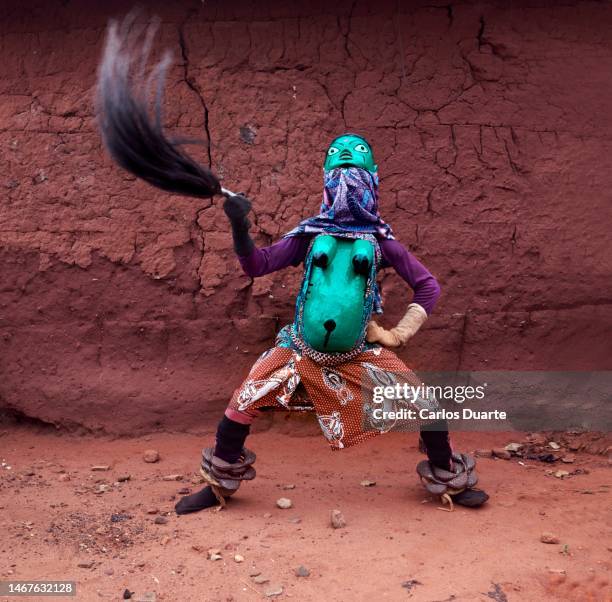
<point>285,252</point>
<point>425,286</point>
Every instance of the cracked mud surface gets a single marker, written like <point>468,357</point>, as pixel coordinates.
<point>491,127</point>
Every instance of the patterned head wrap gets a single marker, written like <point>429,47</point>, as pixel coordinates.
<point>350,206</point>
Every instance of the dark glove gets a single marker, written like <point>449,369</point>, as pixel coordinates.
<point>237,208</point>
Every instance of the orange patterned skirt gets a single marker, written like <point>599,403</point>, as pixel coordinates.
<point>340,395</point>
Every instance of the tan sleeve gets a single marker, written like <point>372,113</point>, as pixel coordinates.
<point>408,326</point>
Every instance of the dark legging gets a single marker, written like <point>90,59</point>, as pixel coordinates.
<point>437,444</point>
<point>231,436</point>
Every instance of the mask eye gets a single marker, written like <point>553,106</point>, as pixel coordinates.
<point>332,151</point>
<point>362,148</point>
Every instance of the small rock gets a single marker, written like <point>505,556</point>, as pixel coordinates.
<point>555,578</point>
<point>547,537</point>
<point>254,573</point>
<point>197,548</point>
<point>238,558</point>
<point>150,456</point>
<point>500,452</point>
<point>85,564</point>
<point>214,554</point>
<point>64,478</point>
<point>160,520</point>
<point>287,487</point>
<point>553,445</point>
<point>273,591</point>
<point>103,488</point>
<point>152,510</point>
<point>411,584</point>
<point>172,477</point>
<point>197,479</point>
<point>561,474</point>
<point>117,518</point>
<point>284,503</point>
<point>483,453</point>
<point>568,459</point>
<point>537,438</point>
<point>295,520</point>
<point>267,515</point>
<point>100,468</point>
<point>548,458</point>
<point>184,491</point>
<point>580,471</point>
<point>127,594</point>
<point>513,447</point>
<point>109,571</point>
<point>337,519</point>
<point>302,571</point>
<point>124,477</point>
<point>260,579</point>
<point>367,483</point>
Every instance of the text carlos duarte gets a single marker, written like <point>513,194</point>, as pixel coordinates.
<point>413,393</point>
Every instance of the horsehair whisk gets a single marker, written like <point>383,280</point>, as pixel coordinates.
<point>134,138</point>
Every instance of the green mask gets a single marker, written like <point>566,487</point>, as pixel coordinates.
<point>349,150</point>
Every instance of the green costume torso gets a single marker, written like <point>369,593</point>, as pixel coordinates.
<point>335,299</point>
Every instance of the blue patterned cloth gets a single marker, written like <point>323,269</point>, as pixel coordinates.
<point>349,207</point>
<point>350,204</point>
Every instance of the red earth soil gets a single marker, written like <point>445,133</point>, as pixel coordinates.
<point>396,545</point>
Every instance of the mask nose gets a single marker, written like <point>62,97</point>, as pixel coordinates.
<point>329,325</point>
<point>346,154</point>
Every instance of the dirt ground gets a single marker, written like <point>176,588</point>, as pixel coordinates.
<point>58,513</point>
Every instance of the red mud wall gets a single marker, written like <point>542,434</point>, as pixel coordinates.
<point>123,308</point>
